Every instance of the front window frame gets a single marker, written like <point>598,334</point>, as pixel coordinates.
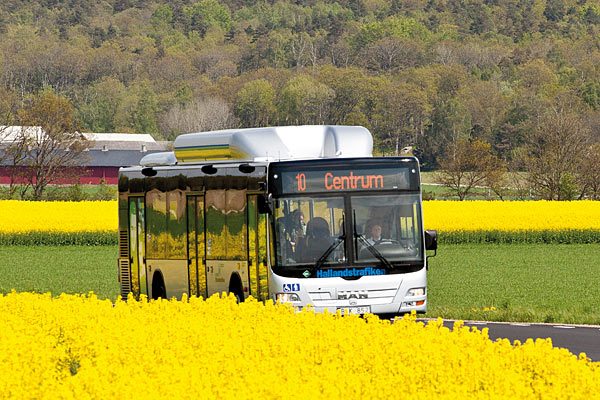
<point>275,228</point>
<point>417,228</point>
<point>399,266</point>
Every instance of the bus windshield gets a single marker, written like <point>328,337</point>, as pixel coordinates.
<point>387,228</point>
<point>375,229</point>
<point>310,229</point>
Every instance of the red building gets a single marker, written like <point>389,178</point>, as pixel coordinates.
<point>108,152</point>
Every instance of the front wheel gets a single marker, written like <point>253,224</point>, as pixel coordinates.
<point>158,287</point>
<point>235,287</point>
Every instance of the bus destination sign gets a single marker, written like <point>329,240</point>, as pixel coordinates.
<point>342,179</point>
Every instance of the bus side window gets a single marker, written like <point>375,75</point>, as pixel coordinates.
<point>263,266</point>
<point>176,233</point>
<point>156,223</point>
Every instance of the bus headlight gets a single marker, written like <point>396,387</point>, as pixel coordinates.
<point>287,297</point>
<point>416,292</point>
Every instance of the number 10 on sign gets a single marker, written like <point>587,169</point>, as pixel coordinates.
<point>301,179</point>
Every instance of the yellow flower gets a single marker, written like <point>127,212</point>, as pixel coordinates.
<point>447,216</point>
<point>58,216</point>
<point>75,347</point>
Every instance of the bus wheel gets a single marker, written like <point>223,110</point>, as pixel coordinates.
<point>158,286</point>
<point>235,287</point>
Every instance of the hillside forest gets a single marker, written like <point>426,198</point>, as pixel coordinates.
<point>425,74</point>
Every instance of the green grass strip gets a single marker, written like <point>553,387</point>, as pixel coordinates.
<point>568,236</point>
<point>59,238</point>
<point>571,236</point>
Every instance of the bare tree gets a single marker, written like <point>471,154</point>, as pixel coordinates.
<point>391,54</point>
<point>553,153</point>
<point>15,154</point>
<point>8,110</point>
<point>53,144</point>
<point>446,54</point>
<point>200,115</point>
<point>470,164</point>
<point>588,175</point>
<point>299,49</point>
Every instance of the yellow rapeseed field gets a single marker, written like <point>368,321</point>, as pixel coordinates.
<point>78,347</point>
<point>58,216</point>
<point>445,216</point>
<point>448,216</point>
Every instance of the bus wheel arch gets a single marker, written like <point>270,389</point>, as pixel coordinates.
<point>159,290</point>
<point>236,287</point>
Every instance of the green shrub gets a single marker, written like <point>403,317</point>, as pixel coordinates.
<point>59,238</point>
<point>570,236</point>
<point>457,237</point>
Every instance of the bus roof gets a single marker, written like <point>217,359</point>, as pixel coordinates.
<point>269,144</point>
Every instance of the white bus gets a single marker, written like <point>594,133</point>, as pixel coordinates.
<point>298,214</point>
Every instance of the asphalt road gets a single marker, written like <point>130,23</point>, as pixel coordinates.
<point>577,338</point>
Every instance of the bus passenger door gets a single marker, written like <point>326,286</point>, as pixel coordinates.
<point>196,247</point>
<point>257,251</point>
<point>137,251</point>
<point>226,251</point>
<point>253,246</point>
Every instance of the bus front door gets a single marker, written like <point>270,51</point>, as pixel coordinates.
<point>257,251</point>
<point>196,247</point>
<point>137,251</point>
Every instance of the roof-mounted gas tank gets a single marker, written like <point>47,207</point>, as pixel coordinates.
<point>275,143</point>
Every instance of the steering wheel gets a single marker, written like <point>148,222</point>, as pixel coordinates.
<point>385,241</point>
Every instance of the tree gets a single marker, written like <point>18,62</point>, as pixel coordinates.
<point>486,106</point>
<point>14,157</point>
<point>305,101</point>
<point>8,108</point>
<point>400,114</point>
<point>450,118</point>
<point>468,164</point>
<point>392,53</point>
<point>53,142</point>
<point>144,115</point>
<point>254,104</point>
<point>205,114</point>
<point>349,86</point>
<point>588,176</point>
<point>553,152</point>
<point>100,104</point>
<point>10,152</point>
<point>207,14</point>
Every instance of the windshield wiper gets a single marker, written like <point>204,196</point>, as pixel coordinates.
<point>332,247</point>
<point>369,246</point>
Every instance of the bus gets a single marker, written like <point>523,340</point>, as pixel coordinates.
<point>298,214</point>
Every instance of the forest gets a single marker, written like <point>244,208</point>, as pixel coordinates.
<point>420,73</point>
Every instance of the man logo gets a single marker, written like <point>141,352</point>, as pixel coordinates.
<point>352,294</point>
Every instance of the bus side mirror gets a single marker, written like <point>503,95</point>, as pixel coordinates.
<point>430,240</point>
<point>265,203</point>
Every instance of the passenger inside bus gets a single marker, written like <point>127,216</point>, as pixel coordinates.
<point>317,240</point>
<point>295,227</point>
<point>286,249</point>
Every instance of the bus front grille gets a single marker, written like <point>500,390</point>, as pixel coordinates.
<point>124,277</point>
<point>123,244</point>
<point>124,270</point>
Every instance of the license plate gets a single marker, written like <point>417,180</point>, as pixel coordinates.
<point>355,310</point>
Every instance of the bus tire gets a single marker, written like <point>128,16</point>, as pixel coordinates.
<point>159,291</point>
<point>235,287</point>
